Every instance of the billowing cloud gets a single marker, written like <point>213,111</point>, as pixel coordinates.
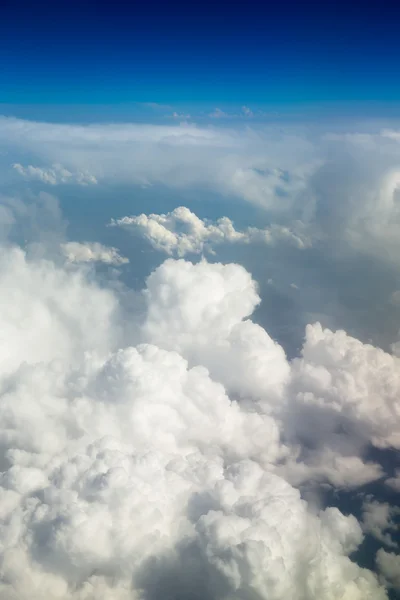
<point>181,232</point>
<point>379,521</point>
<point>76,252</point>
<point>144,466</point>
<point>388,564</point>
<point>342,185</point>
<point>168,449</point>
<point>54,175</point>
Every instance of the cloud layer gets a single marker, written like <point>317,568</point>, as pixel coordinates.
<point>160,443</point>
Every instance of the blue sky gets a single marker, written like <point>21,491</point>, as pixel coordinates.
<point>286,56</point>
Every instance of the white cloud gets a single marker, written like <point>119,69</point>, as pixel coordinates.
<point>389,565</point>
<point>47,313</point>
<point>202,313</point>
<point>218,114</point>
<point>130,470</point>
<point>349,388</point>
<point>247,111</point>
<point>181,232</point>
<point>76,252</point>
<point>378,520</point>
<point>180,116</point>
<point>163,459</point>
<point>55,175</point>
<point>260,167</point>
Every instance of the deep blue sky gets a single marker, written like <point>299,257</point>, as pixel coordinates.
<point>204,55</point>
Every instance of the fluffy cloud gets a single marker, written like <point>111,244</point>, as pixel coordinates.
<point>160,452</point>
<point>130,470</point>
<point>76,252</point>
<point>181,232</point>
<point>378,520</point>
<point>343,186</point>
<point>54,175</point>
<point>356,383</point>
<point>389,565</point>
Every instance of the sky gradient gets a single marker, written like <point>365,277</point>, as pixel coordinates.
<point>287,55</point>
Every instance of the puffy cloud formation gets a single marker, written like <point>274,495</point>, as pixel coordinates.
<point>145,467</point>
<point>181,232</point>
<point>378,520</point>
<point>76,252</point>
<point>343,186</point>
<point>55,175</point>
<point>356,383</point>
<point>389,565</point>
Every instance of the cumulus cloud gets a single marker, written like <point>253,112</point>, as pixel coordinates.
<point>181,232</point>
<point>76,252</point>
<point>55,175</point>
<point>389,565</point>
<point>379,521</point>
<point>135,468</point>
<point>166,457</point>
<point>343,187</point>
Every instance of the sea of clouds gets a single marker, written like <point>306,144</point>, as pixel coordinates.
<point>158,443</point>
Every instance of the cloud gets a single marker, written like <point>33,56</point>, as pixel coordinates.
<point>180,116</point>
<point>76,252</point>
<point>389,565</point>
<point>263,168</point>
<point>218,114</point>
<point>136,465</point>
<point>181,232</point>
<point>344,395</point>
<point>160,451</point>
<point>378,521</point>
<point>55,175</point>
<point>247,111</point>
<point>394,482</point>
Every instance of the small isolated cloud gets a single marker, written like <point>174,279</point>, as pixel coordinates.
<point>247,111</point>
<point>55,175</point>
<point>218,114</point>
<point>76,252</point>
<point>181,232</point>
<point>379,520</point>
<point>180,116</point>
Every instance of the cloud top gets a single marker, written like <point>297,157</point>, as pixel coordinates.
<point>181,232</point>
